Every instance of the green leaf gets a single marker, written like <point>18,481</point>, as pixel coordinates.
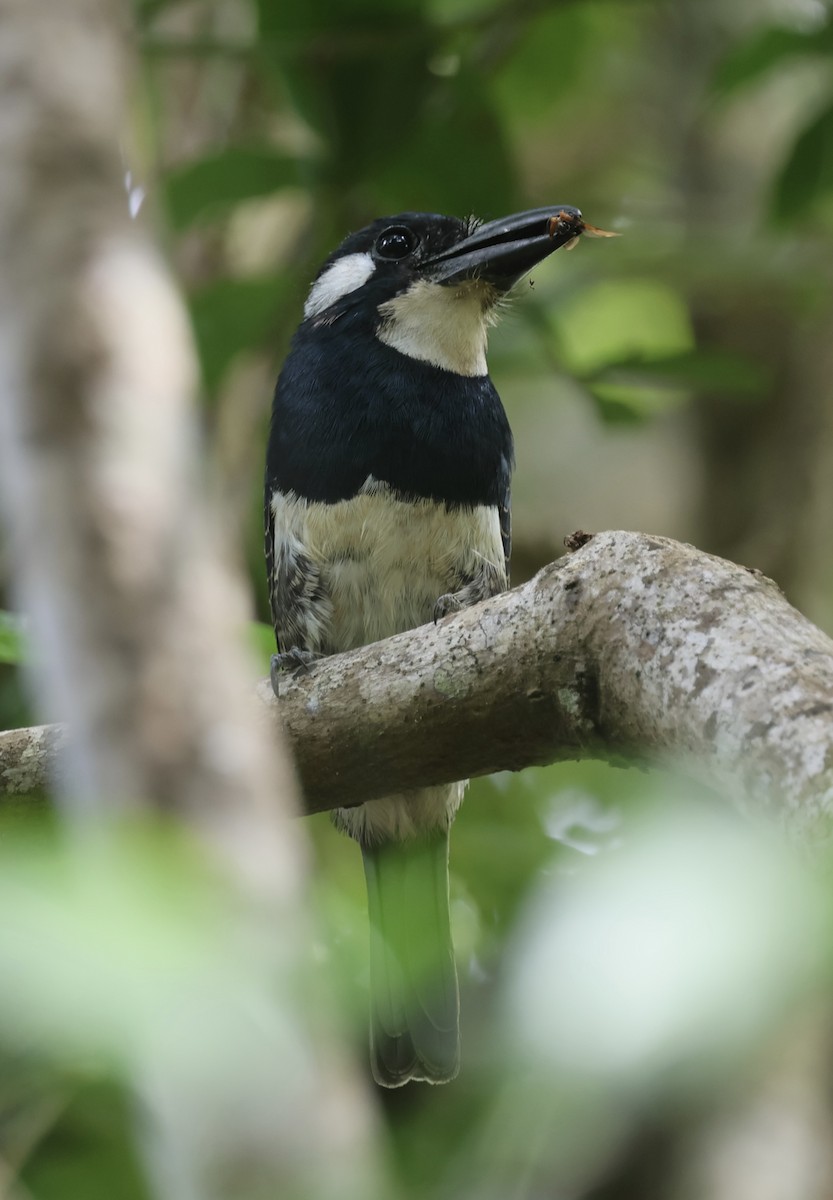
<point>109,992</point>
<point>356,73</point>
<point>807,175</point>
<point>755,57</point>
<point>90,1151</point>
<point>546,65</point>
<point>205,188</point>
<point>706,371</point>
<point>343,87</point>
<point>147,9</point>
<point>624,406</point>
<point>12,640</point>
<point>621,320</point>
<point>361,17</point>
<point>262,643</point>
<point>634,389</point>
<point>230,316</point>
<point>457,160</point>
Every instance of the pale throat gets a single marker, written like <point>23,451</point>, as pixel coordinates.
<point>444,326</point>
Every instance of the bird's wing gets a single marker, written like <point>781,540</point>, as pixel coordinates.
<point>269,543</point>
<point>301,605</point>
<point>505,515</point>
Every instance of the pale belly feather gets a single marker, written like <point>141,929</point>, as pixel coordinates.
<point>383,561</point>
<point>383,564</point>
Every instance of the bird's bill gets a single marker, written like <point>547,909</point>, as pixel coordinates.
<point>501,252</point>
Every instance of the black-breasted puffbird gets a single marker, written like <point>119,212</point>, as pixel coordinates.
<point>387,506</point>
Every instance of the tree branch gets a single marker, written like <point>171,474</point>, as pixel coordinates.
<point>133,608</point>
<point>632,645</point>
<point>136,613</point>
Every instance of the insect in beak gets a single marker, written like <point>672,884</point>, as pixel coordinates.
<point>564,222</point>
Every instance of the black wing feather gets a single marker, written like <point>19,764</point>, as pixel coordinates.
<point>505,514</point>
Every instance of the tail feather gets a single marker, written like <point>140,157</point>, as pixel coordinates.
<point>414,1025</point>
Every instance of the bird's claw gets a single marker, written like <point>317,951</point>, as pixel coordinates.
<point>447,604</point>
<point>291,662</point>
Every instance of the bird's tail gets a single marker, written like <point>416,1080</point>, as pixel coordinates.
<point>414,1019</point>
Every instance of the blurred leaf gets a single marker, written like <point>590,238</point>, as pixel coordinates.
<point>701,370</point>
<point>499,846</point>
<point>456,12</point>
<point>634,403</point>
<point>262,642</point>
<point>147,9</point>
<point>516,827</point>
<point>457,160</point>
<point>643,964</point>
<point>624,406</point>
<point>347,100</point>
<point>89,1151</point>
<point>110,963</point>
<point>326,16</point>
<point>357,76</point>
<point>753,58</point>
<point>12,640</point>
<point>621,320</point>
<point>807,175</point>
<point>232,315</point>
<point>546,63</point>
<point>15,706</point>
<point>127,957</point>
<point>205,188</point>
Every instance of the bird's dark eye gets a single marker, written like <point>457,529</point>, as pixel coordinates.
<point>396,242</point>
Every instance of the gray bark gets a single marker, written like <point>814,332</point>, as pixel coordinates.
<point>133,611</point>
<point>629,646</point>
<point>138,618</point>
<point>632,645</point>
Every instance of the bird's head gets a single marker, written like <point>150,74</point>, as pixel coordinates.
<point>429,285</point>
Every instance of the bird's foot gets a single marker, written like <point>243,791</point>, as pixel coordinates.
<point>451,602</point>
<point>291,662</point>
<point>487,581</point>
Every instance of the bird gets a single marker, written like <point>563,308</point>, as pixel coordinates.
<point>387,507</point>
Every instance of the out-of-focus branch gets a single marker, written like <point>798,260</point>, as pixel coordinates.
<point>31,759</point>
<point>631,645</point>
<point>771,1141</point>
<point>133,611</point>
<point>137,616</point>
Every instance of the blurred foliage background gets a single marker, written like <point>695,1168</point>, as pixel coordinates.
<point>678,381</point>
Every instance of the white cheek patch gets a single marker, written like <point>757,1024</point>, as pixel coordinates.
<point>340,278</point>
<point>444,326</point>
